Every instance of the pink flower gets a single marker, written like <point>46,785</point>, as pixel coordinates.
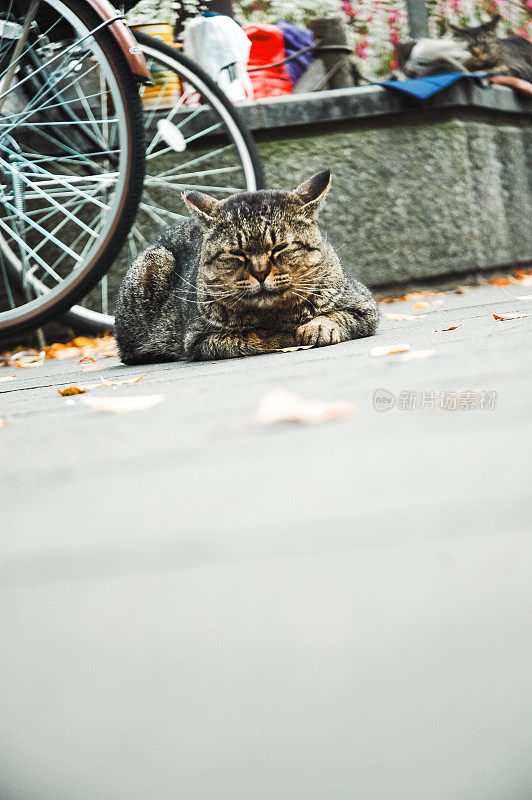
<point>529,4</point>
<point>394,37</point>
<point>348,8</point>
<point>361,49</point>
<point>394,64</point>
<point>522,32</point>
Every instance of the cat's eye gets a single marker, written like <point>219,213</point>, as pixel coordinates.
<point>238,254</point>
<point>278,248</point>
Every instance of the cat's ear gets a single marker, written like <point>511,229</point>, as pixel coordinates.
<point>311,194</point>
<point>203,205</point>
<point>492,23</point>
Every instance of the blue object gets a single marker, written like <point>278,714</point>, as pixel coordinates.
<point>426,87</point>
<point>294,39</point>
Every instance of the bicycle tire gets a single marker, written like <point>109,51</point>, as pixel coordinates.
<point>74,288</point>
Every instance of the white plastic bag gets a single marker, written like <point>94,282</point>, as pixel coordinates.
<point>220,46</point>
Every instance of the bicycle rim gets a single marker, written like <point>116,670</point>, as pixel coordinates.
<point>69,166</point>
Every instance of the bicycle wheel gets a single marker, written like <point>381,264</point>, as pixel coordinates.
<point>71,160</point>
<point>195,139</point>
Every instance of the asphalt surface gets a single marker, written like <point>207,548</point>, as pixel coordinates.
<point>195,605</point>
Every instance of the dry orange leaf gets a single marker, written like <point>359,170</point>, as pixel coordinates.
<point>389,349</point>
<point>63,352</point>
<point>70,390</point>
<point>452,328</point>
<point>420,306</point>
<point>122,405</point>
<point>8,378</point>
<point>510,315</point>
<point>282,406</point>
<point>500,282</point>
<point>87,358</point>
<point>83,346</point>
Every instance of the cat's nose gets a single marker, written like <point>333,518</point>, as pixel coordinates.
<point>261,270</point>
<point>261,275</point>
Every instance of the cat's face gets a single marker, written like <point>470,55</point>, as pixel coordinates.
<point>262,248</point>
<point>482,43</point>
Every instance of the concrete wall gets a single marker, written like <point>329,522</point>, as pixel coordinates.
<point>417,200</point>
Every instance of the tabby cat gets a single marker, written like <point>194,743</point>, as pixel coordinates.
<point>246,275</point>
<point>475,49</point>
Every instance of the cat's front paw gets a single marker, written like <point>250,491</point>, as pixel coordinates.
<point>318,332</point>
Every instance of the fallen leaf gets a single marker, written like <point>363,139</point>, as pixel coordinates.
<point>28,361</point>
<point>64,352</point>
<point>8,378</point>
<point>88,358</point>
<point>405,317</point>
<point>524,277</point>
<point>282,406</point>
<point>500,281</point>
<point>26,358</point>
<point>71,390</point>
<point>121,383</point>
<point>452,328</point>
<point>420,306</point>
<point>293,349</point>
<point>95,367</point>
<point>389,349</point>
<point>110,384</point>
<point>84,346</point>
<point>510,315</point>
<point>411,296</point>
<point>122,405</point>
<point>3,422</point>
<point>417,355</point>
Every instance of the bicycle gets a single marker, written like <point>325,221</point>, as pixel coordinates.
<point>71,200</point>
<point>71,152</point>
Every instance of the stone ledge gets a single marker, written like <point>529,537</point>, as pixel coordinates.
<point>363,102</point>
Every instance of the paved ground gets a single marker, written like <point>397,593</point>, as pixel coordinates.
<point>196,606</point>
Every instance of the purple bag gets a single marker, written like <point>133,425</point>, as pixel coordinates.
<point>296,38</point>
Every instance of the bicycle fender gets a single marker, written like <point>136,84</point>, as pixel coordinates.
<point>123,37</point>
